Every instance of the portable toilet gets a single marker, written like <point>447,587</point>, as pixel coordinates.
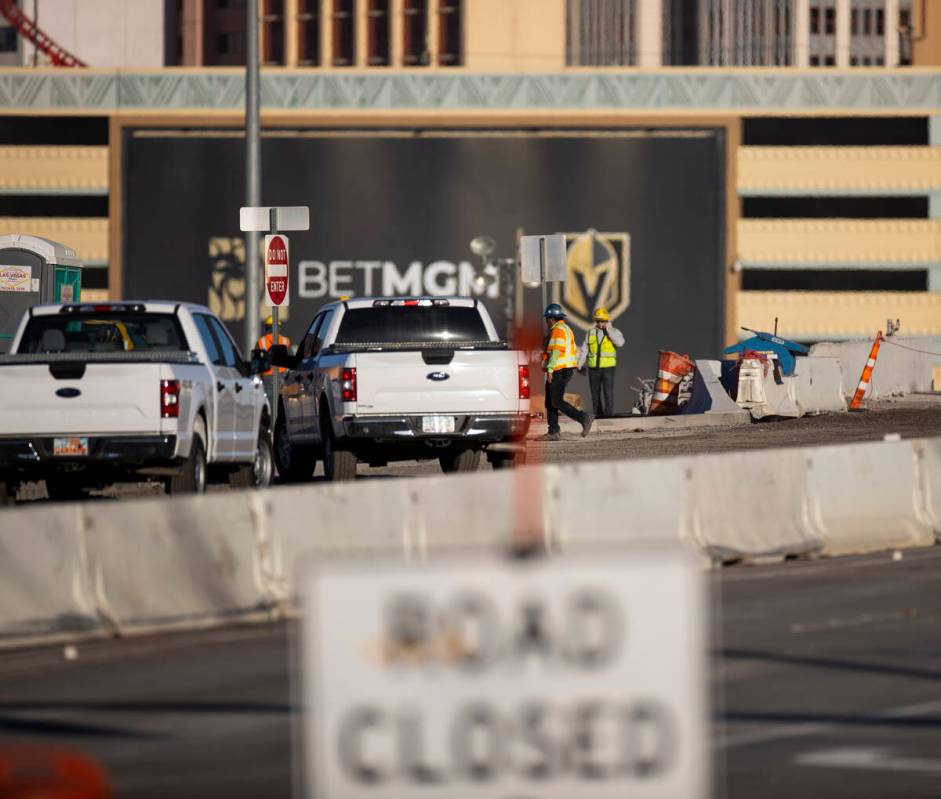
<point>34,270</point>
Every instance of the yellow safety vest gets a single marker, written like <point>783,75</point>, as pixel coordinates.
<point>562,339</point>
<point>609,355</point>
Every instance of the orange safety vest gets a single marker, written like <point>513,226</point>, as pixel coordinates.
<point>264,344</point>
<point>562,339</point>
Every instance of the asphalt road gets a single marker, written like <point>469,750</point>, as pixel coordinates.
<point>826,682</point>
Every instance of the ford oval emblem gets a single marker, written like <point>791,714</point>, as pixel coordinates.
<point>438,376</point>
<point>68,393</point>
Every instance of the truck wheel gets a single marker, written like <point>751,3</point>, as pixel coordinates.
<point>338,464</point>
<point>507,460</point>
<point>294,464</point>
<point>466,461</point>
<point>259,472</point>
<point>64,489</point>
<point>7,494</point>
<point>191,478</point>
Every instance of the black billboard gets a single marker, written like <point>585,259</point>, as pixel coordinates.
<point>393,212</point>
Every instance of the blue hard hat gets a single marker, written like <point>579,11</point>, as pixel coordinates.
<point>554,311</point>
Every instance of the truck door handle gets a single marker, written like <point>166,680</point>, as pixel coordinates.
<point>220,386</point>
<point>238,387</point>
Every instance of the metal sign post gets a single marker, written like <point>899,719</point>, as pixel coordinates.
<point>274,219</point>
<point>252,169</point>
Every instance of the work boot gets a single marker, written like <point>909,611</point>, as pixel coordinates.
<point>550,437</point>
<point>586,425</point>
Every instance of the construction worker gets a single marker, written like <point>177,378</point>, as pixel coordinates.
<point>599,352</point>
<point>267,339</point>
<point>264,344</point>
<point>559,361</point>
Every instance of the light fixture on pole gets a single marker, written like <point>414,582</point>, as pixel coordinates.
<point>494,271</point>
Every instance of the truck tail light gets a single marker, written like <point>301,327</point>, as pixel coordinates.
<point>524,382</point>
<point>170,399</point>
<point>348,386</point>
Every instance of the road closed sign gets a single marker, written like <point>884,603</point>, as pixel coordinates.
<point>573,677</point>
<point>276,270</point>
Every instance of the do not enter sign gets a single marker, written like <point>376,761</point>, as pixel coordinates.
<point>276,270</point>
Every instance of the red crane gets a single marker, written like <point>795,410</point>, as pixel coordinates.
<point>28,30</point>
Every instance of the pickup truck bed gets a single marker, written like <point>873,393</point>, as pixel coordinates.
<point>96,394</point>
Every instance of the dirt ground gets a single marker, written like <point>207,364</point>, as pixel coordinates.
<point>910,417</point>
<point>871,425</point>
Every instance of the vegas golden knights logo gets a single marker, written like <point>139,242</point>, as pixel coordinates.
<point>598,276</point>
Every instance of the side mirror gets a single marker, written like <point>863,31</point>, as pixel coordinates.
<point>260,362</point>
<point>279,356</point>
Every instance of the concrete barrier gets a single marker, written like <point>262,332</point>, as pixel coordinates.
<point>708,394</point>
<point>929,482</point>
<point>867,497</point>
<point>763,392</point>
<point>614,502</point>
<point>158,563</point>
<point>817,386</point>
<point>411,517</point>
<point>45,592</point>
<point>900,369</point>
<point>750,505</point>
<point>126,567</point>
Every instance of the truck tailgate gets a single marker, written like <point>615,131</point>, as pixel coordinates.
<point>475,381</point>
<point>111,398</point>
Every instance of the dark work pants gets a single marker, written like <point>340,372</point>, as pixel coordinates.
<point>602,390</point>
<point>555,400</point>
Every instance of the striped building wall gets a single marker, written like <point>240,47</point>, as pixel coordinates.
<point>764,247</point>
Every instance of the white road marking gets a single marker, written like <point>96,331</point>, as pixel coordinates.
<point>870,759</point>
<point>836,622</point>
<point>781,732</point>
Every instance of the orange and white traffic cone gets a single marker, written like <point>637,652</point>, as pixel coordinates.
<point>673,368</point>
<point>866,376</point>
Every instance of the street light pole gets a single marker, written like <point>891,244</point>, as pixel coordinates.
<point>252,171</point>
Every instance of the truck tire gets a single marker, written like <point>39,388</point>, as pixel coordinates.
<point>7,494</point>
<point>467,460</point>
<point>191,478</point>
<point>258,473</point>
<point>507,460</point>
<point>294,464</point>
<point>64,489</point>
<point>338,464</point>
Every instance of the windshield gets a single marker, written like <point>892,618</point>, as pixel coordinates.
<point>103,332</point>
<point>402,324</point>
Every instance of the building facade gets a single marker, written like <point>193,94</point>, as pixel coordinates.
<point>510,35</point>
<point>831,205</point>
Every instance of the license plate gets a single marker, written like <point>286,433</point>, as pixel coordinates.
<point>437,424</point>
<point>70,447</point>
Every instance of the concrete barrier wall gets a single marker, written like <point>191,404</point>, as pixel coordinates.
<point>45,591</point>
<point>98,568</point>
<point>155,562</point>
<point>899,368</point>
<point>867,497</point>
<point>928,487</point>
<point>708,394</point>
<point>817,385</point>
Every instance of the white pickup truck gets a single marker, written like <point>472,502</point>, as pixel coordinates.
<point>98,393</point>
<point>400,378</point>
